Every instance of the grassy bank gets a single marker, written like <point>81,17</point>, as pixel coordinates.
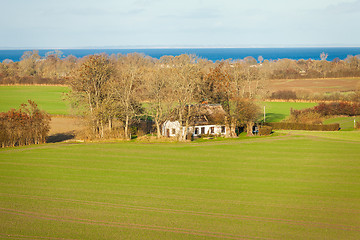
<point>296,186</point>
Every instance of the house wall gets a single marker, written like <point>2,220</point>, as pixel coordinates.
<point>172,129</point>
<point>206,129</point>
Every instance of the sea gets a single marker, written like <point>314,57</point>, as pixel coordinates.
<point>213,54</point>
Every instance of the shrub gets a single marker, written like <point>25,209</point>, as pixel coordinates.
<point>338,108</point>
<point>308,117</point>
<point>29,125</point>
<point>303,126</point>
<point>265,130</point>
<point>284,94</point>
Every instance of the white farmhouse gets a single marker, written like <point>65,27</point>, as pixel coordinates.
<point>208,121</point>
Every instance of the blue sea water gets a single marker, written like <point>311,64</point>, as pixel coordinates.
<point>213,54</point>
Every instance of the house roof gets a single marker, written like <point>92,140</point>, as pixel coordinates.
<point>207,114</point>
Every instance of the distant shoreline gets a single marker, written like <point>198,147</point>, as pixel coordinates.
<point>210,53</point>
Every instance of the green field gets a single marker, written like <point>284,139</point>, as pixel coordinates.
<point>302,185</point>
<point>278,111</point>
<point>346,123</point>
<point>48,98</point>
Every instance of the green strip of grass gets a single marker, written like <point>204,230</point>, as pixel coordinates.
<point>285,187</point>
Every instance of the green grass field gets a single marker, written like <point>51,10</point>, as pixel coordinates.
<point>48,98</point>
<point>346,123</point>
<point>278,111</point>
<point>297,185</point>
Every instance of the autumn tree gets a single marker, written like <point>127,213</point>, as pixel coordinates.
<point>218,88</point>
<point>90,89</point>
<point>247,112</point>
<point>28,125</point>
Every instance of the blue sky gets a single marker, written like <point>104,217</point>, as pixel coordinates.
<point>197,23</point>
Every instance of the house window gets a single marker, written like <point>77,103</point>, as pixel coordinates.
<point>222,129</point>
<point>173,132</point>
<point>196,131</point>
<point>202,130</point>
<point>212,130</point>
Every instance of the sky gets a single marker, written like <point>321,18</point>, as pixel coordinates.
<point>183,23</point>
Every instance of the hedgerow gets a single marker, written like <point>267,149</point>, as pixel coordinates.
<point>303,126</point>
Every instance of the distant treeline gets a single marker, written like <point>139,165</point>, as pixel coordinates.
<point>331,109</point>
<point>25,126</point>
<point>54,68</point>
<point>302,95</point>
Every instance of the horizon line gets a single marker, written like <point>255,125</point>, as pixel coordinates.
<point>180,47</point>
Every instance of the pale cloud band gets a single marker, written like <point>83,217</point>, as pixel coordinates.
<point>80,23</point>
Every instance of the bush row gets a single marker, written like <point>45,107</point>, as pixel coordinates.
<point>302,126</point>
<point>330,109</point>
<point>25,126</point>
<point>306,95</point>
<point>265,130</point>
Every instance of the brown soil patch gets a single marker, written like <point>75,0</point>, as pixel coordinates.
<point>64,128</point>
<point>320,85</point>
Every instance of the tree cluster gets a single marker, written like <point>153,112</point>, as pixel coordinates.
<point>297,69</point>
<point>125,88</point>
<point>25,126</point>
<point>33,69</point>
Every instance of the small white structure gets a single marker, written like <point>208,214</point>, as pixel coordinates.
<point>173,128</point>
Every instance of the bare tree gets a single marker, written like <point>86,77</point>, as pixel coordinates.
<point>90,88</point>
<point>158,94</point>
<point>247,112</point>
<point>184,80</point>
<point>28,61</point>
<point>127,87</point>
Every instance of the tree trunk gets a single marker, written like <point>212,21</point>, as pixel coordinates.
<point>101,129</point>
<point>180,132</point>
<point>127,127</point>
<point>110,124</point>
<point>158,135</point>
<point>227,128</point>
<point>232,128</point>
<point>249,128</point>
